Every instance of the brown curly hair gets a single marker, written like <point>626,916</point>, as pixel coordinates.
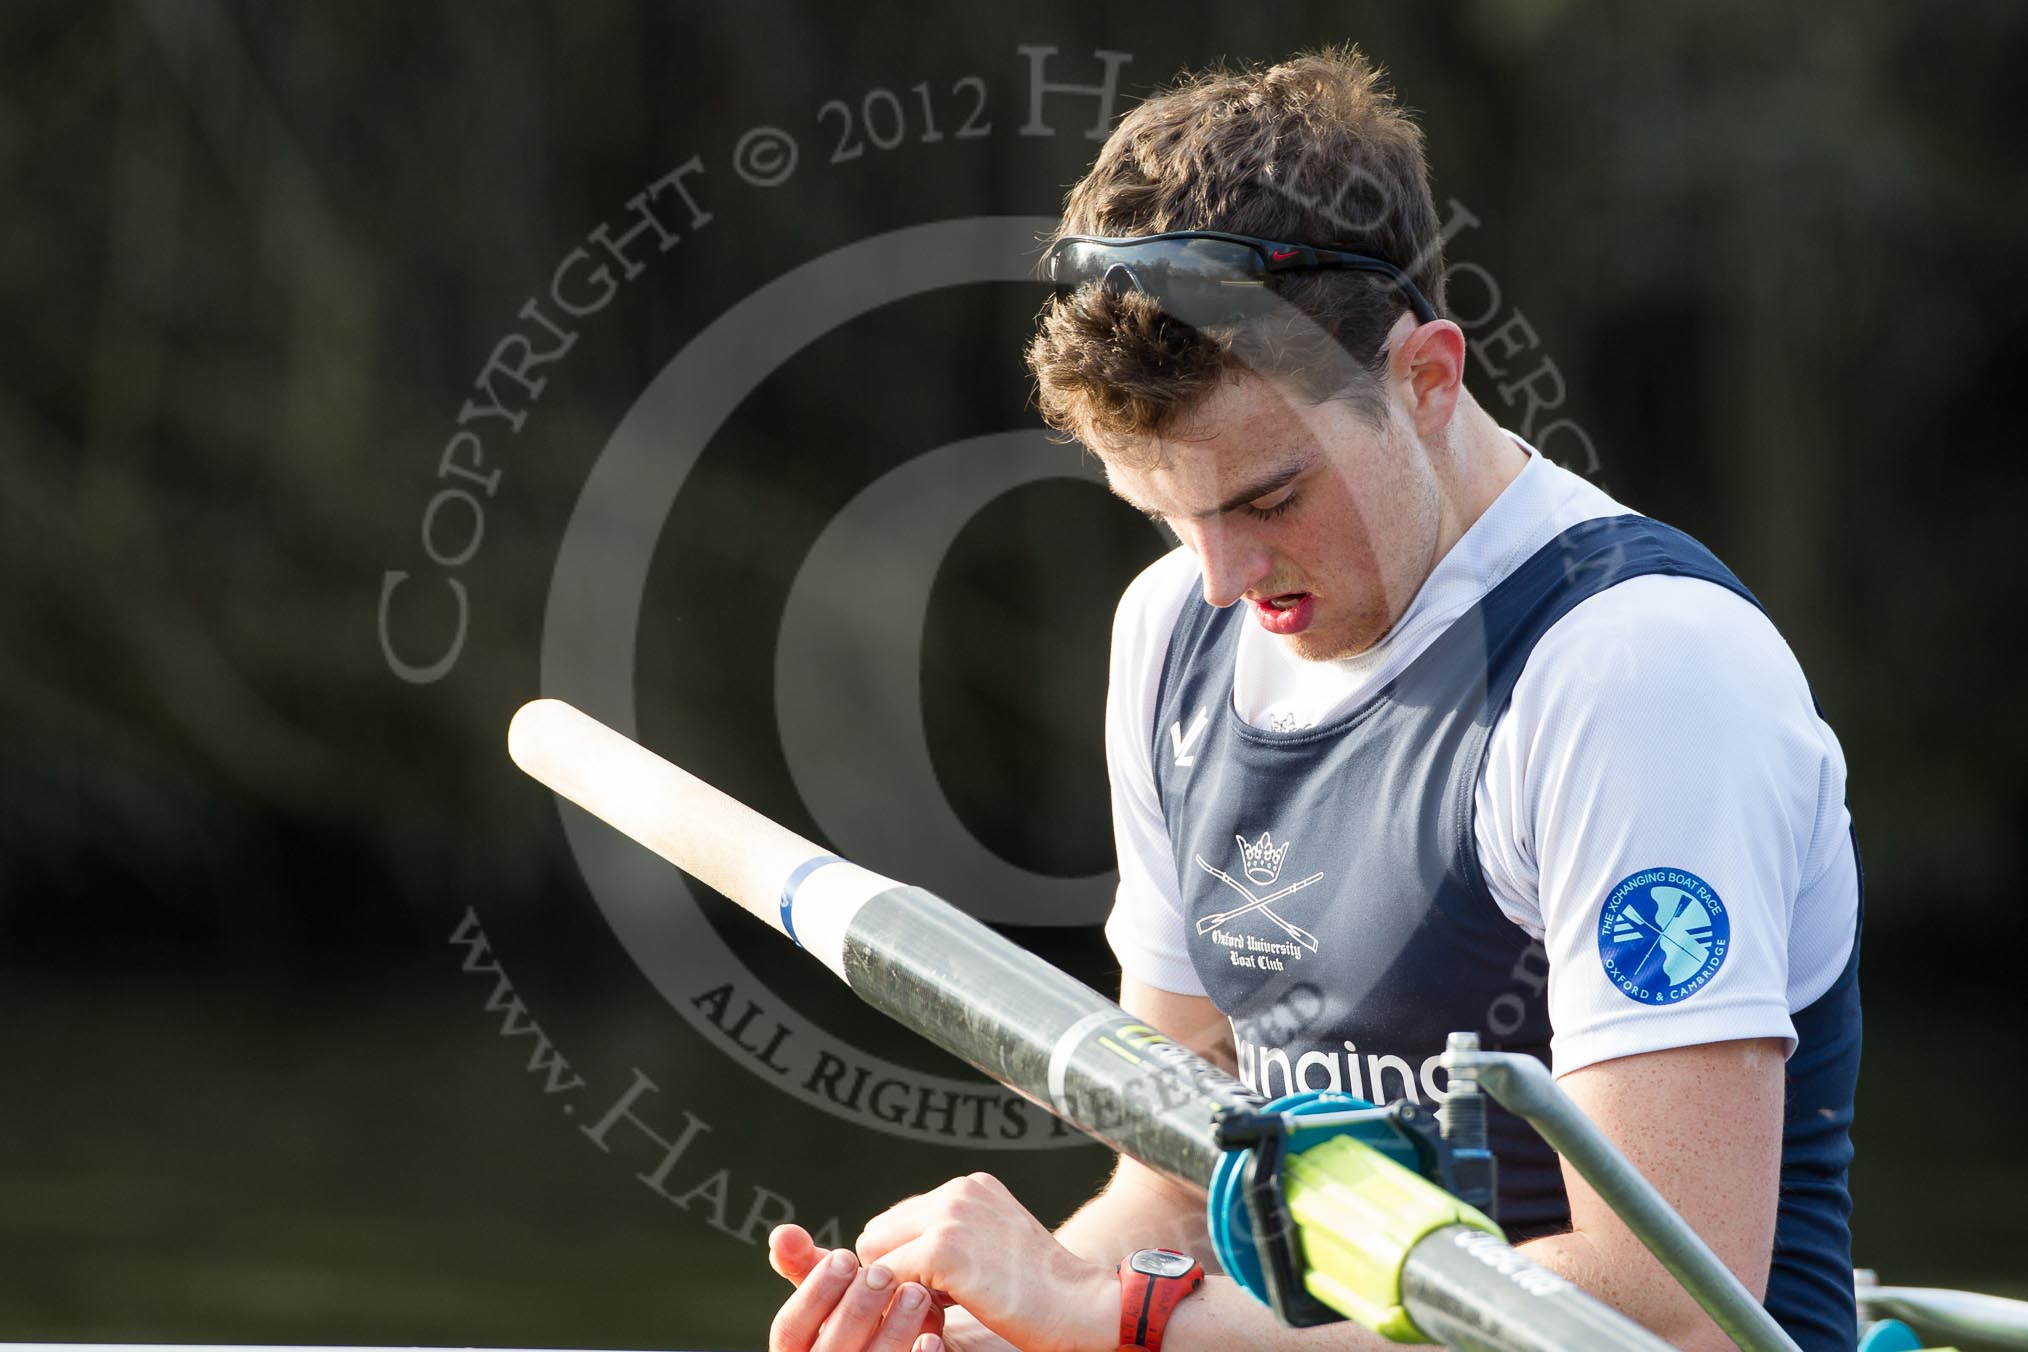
<point>1314,151</point>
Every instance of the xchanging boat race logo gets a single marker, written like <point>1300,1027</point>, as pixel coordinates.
<point>1662,935</point>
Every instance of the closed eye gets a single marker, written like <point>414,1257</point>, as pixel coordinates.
<point>1271,506</point>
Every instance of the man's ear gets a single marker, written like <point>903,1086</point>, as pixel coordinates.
<point>1427,361</point>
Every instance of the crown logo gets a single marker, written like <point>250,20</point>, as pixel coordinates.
<point>1262,859</point>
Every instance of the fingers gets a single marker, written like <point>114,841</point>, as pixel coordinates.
<point>855,1320</point>
<point>923,1258</point>
<point>802,1314</point>
<point>792,1253</point>
<point>893,1227</point>
<point>929,1342</point>
<point>912,1313</point>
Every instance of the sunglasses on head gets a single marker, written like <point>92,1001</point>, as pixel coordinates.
<point>1206,276</point>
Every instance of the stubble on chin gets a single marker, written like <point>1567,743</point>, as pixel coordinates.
<point>1334,642</point>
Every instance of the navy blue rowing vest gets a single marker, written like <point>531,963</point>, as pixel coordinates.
<point>1331,880</point>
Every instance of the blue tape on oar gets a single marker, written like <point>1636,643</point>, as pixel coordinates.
<point>802,871</point>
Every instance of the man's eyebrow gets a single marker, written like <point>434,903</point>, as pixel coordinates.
<point>1278,477</point>
<point>1267,483</point>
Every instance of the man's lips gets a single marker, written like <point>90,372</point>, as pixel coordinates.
<point>1286,613</point>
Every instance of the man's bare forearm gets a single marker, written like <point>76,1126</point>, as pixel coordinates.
<point>1142,1209</point>
<point>1139,1209</point>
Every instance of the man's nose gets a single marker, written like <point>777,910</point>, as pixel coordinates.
<point>1231,562</point>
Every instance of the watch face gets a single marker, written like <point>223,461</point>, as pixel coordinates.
<point>1162,1263</point>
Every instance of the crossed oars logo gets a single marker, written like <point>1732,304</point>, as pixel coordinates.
<point>1681,922</point>
<point>1261,857</point>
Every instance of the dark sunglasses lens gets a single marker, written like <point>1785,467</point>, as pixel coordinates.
<point>1200,281</point>
<point>1213,260</point>
<point>1160,263</point>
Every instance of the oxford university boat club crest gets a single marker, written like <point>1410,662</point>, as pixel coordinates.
<point>1261,862</point>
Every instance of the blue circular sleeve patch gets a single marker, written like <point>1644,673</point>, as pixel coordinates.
<point>1662,935</point>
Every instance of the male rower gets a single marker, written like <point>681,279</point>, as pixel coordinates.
<point>1416,732</point>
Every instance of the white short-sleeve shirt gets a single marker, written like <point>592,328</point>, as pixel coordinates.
<point>1662,723</point>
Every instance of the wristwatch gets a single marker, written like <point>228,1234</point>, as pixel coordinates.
<point>1152,1282</point>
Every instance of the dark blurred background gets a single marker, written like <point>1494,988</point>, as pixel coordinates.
<point>255,257</point>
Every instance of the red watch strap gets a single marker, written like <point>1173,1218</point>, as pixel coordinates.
<point>1146,1302</point>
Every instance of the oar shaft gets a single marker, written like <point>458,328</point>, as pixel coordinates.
<point>1967,1315</point>
<point>1038,1031</point>
<point>910,955</point>
<point>1470,1293</point>
<point>1007,1012</point>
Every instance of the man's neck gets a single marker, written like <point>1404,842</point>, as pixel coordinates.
<point>1474,469</point>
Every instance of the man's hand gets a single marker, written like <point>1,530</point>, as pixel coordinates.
<point>840,1307</point>
<point>972,1240</point>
